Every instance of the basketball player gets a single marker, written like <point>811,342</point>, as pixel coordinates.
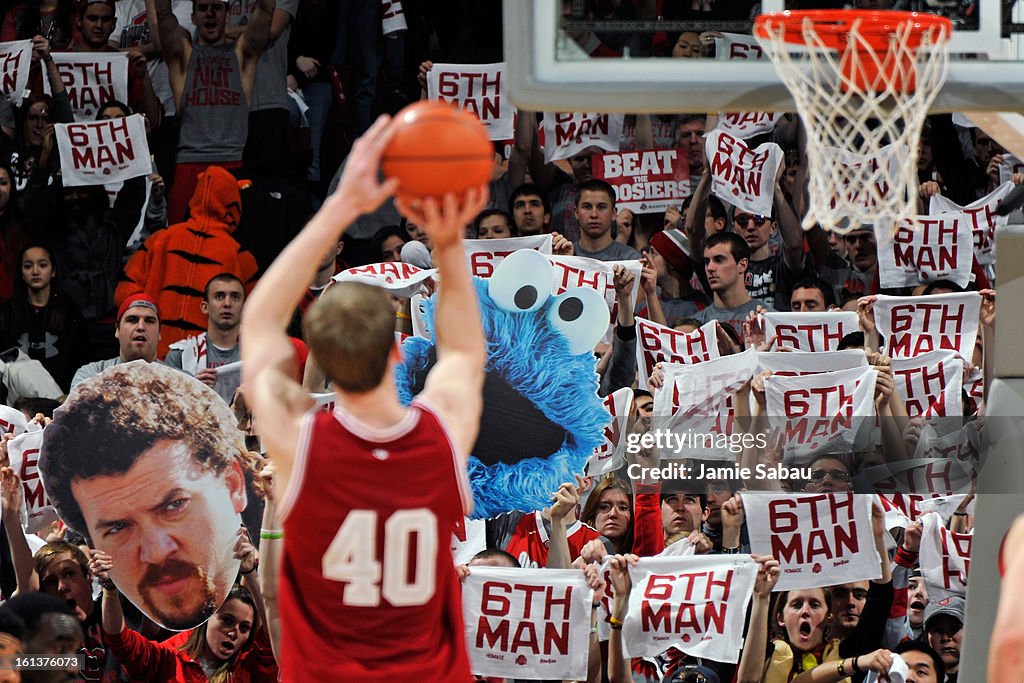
<point>368,587</point>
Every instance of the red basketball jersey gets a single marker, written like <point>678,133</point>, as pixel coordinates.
<point>368,590</point>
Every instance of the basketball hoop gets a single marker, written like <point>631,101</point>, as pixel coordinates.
<point>863,82</point>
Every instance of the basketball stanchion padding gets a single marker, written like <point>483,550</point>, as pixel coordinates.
<point>863,82</point>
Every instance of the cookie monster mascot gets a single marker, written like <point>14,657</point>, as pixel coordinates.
<point>542,418</point>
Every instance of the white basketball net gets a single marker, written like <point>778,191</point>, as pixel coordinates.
<point>863,127</point>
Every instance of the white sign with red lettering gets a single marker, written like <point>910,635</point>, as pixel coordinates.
<point>699,390</point>
<point>797,363</point>
<point>895,517</point>
<point>477,88</point>
<point>930,383</point>
<point>609,456</point>
<point>659,344</point>
<point>819,539</point>
<point>697,400</point>
<point>817,331</point>
<point>100,152</point>
<point>738,46</point>
<point>90,79</point>
<point>742,176</point>
<point>588,273</point>
<point>956,441</point>
<point>697,604</point>
<point>818,413</point>
<point>566,135</point>
<point>945,559</point>
<point>15,62</point>
<point>912,325</point>
<point>946,506</point>
<point>527,623</point>
<point>980,216</point>
<point>646,181</point>
<point>906,483</point>
<point>400,279</point>
<point>938,248</point>
<point>484,256</point>
<point>747,124</point>
<point>24,454</point>
<point>12,421</point>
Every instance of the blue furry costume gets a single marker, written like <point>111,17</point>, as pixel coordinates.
<point>531,373</point>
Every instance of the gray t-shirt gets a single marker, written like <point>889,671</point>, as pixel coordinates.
<point>226,384</point>
<point>90,370</point>
<point>733,316</point>
<point>213,111</point>
<point>270,90</point>
<point>616,251</point>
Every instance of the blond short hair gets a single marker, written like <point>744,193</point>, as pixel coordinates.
<point>350,331</point>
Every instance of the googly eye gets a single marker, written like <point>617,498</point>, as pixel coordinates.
<point>522,282</point>
<point>581,316</point>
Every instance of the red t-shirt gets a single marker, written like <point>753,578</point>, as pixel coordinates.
<point>368,590</point>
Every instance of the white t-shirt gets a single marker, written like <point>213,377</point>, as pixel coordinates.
<point>132,30</point>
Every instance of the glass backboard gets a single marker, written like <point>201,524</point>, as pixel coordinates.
<point>561,56</point>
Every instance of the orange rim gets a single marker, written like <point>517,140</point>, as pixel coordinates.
<point>833,27</point>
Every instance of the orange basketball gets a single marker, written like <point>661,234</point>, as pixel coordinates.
<point>437,148</point>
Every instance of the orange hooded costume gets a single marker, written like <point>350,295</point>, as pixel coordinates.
<point>174,265</point>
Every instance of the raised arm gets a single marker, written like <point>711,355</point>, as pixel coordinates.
<point>254,40</point>
<point>174,45</point>
<point>274,396</point>
<point>21,554</point>
<point>454,386</point>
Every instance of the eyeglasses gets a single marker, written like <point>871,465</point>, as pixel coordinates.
<point>835,475</point>
<point>744,218</point>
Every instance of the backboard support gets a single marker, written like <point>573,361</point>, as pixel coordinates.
<point>547,73</point>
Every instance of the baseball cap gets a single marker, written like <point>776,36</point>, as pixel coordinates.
<point>953,606</point>
<point>143,300</point>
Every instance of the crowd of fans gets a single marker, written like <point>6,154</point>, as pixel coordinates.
<point>160,273</point>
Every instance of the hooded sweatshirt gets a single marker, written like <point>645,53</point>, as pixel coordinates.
<point>174,265</point>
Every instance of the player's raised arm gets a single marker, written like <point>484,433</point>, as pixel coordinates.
<point>454,386</point>
<point>272,392</point>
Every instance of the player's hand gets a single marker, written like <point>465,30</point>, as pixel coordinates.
<point>444,221</point>
<point>359,188</point>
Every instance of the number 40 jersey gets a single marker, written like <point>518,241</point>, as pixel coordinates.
<point>368,590</point>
